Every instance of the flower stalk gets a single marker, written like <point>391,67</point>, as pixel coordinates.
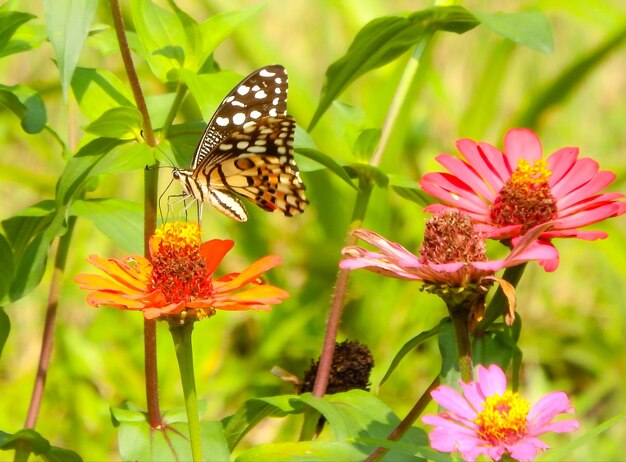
<point>461,322</point>
<point>181,334</point>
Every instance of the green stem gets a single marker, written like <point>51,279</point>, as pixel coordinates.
<point>460,321</point>
<point>181,334</point>
<point>499,302</point>
<point>399,98</point>
<point>49,325</point>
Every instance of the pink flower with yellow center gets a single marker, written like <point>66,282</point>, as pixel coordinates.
<point>488,419</point>
<point>507,193</point>
<point>179,279</point>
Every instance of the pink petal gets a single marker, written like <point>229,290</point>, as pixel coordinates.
<point>491,380</point>
<point>562,426</point>
<point>595,185</point>
<point>582,172</point>
<point>589,217</point>
<point>560,163</point>
<point>498,165</point>
<point>479,174</point>
<point>526,449</point>
<point>473,394</point>
<point>450,399</point>
<point>548,407</point>
<point>585,235</point>
<point>593,202</point>
<point>453,191</point>
<point>521,143</point>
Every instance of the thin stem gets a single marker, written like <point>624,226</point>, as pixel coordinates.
<point>406,423</point>
<point>49,325</point>
<point>151,178</point>
<point>399,98</point>
<point>181,334</point>
<point>339,295</point>
<point>460,321</point>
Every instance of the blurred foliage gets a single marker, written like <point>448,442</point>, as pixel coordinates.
<point>474,85</point>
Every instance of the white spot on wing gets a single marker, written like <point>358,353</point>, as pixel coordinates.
<point>255,114</point>
<point>239,118</point>
<point>260,94</point>
<point>273,112</point>
<point>266,73</point>
<point>278,80</point>
<point>274,101</point>
<point>242,145</point>
<point>222,121</point>
<point>277,91</point>
<point>230,98</point>
<point>238,103</point>
<point>243,90</point>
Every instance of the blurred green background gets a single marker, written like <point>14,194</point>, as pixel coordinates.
<point>472,85</point>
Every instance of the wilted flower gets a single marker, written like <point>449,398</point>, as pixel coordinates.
<point>507,193</point>
<point>488,419</point>
<point>452,261</point>
<point>179,279</point>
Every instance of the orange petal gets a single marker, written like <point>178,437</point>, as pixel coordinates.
<point>248,275</point>
<point>136,276</point>
<point>214,251</point>
<point>99,282</point>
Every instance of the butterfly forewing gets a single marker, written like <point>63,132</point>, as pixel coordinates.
<point>263,93</point>
<point>247,149</point>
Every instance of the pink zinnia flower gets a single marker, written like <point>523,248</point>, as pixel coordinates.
<point>507,193</point>
<point>488,419</point>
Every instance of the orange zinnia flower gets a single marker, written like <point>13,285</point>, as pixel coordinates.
<point>179,280</point>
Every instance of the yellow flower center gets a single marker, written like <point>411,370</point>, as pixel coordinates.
<point>503,418</point>
<point>526,198</point>
<point>178,268</point>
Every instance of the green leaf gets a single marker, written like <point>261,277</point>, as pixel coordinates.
<point>7,267</point>
<point>218,27</point>
<point>162,37</point>
<point>410,345</point>
<point>67,23</point>
<point>5,328</point>
<point>252,412</point>
<point>565,83</point>
<point>98,91</point>
<point>10,21</point>
<point>119,220</point>
<point>366,143</point>
<point>450,373</point>
<point>121,122</point>
<point>326,161</point>
<point>138,442</point>
<point>30,440</point>
<point>530,28</point>
<point>26,104</point>
<point>381,41</point>
<point>409,189</point>
<point>99,157</point>
<point>30,234</point>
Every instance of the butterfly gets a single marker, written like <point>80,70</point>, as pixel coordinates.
<point>246,151</point>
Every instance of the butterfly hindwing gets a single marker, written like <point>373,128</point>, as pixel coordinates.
<point>262,93</point>
<point>257,163</point>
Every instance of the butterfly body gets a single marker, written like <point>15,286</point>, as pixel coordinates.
<point>247,150</point>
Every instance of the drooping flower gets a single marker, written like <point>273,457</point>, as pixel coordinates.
<point>452,261</point>
<point>507,193</point>
<point>488,419</point>
<point>179,279</point>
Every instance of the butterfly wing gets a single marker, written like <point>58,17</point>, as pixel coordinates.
<point>257,162</point>
<point>263,93</point>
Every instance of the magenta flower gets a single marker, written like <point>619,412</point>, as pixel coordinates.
<point>488,419</point>
<point>507,193</point>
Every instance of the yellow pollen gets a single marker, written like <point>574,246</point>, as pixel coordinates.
<point>503,418</point>
<point>180,234</point>
<point>527,174</point>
